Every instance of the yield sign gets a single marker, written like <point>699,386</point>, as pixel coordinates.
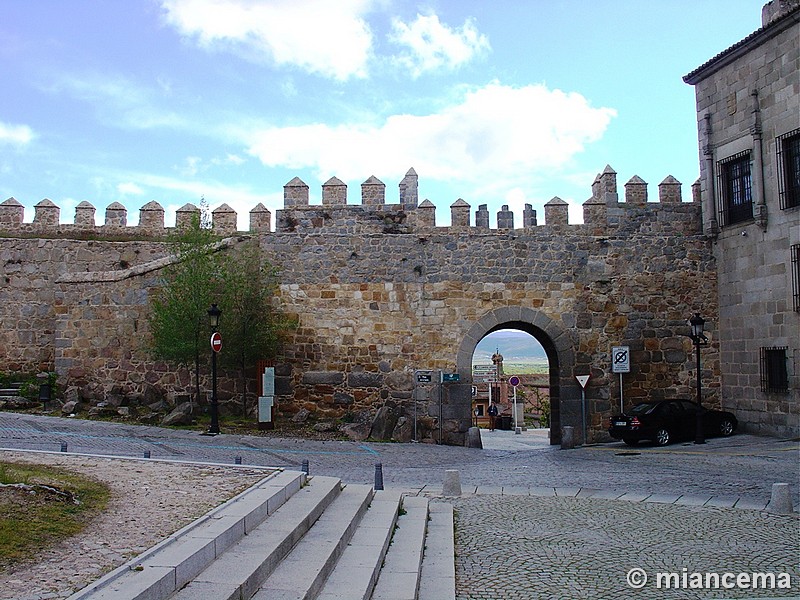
<point>582,379</point>
<point>216,341</point>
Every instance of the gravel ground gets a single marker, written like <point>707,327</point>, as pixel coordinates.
<point>149,501</point>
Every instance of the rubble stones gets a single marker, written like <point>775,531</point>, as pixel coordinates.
<point>181,415</point>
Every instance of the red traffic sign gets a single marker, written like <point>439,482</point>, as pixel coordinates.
<point>582,379</point>
<point>216,341</point>
<point>513,381</point>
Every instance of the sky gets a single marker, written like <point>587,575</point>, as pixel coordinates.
<point>501,102</point>
<point>514,345</point>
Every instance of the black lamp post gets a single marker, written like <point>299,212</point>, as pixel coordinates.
<point>699,339</point>
<point>214,314</point>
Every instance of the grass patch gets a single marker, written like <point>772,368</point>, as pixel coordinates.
<point>41,506</point>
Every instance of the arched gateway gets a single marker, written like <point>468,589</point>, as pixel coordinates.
<point>557,342</point>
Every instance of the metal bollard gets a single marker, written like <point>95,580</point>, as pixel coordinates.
<point>378,476</point>
<point>147,453</point>
<point>237,460</point>
<point>63,446</point>
<point>304,466</point>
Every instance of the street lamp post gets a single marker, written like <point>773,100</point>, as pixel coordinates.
<point>214,314</point>
<point>697,324</point>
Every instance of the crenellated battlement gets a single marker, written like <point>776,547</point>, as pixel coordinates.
<point>47,215</point>
<point>602,212</point>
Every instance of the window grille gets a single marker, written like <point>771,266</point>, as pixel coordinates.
<point>788,158</point>
<point>735,189</point>
<point>795,252</point>
<point>774,376</point>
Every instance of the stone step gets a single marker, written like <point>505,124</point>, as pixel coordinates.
<point>357,570</point>
<point>241,571</point>
<point>292,537</point>
<point>438,575</point>
<point>160,571</point>
<point>303,572</point>
<point>400,575</point>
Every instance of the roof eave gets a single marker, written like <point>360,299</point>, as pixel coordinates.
<point>739,49</point>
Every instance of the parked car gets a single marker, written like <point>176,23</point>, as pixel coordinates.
<point>665,421</point>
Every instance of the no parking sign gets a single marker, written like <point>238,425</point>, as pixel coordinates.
<point>621,359</point>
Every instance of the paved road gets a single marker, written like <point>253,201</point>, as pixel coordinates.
<point>741,467</point>
<point>535,521</point>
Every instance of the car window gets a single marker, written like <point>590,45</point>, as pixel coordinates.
<point>690,407</point>
<point>672,409</point>
<point>642,409</point>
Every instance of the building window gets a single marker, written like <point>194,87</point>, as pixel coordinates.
<point>788,153</point>
<point>774,376</point>
<point>735,189</point>
<point>795,252</point>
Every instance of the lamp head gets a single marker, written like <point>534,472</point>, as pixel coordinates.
<point>214,314</point>
<point>697,322</point>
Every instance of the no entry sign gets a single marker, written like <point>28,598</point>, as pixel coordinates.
<point>216,341</point>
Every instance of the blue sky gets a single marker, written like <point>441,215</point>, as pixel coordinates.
<point>501,102</point>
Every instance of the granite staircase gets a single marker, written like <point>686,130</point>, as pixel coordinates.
<point>294,537</point>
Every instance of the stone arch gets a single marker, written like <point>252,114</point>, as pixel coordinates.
<point>559,345</point>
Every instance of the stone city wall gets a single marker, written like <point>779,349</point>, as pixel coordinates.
<point>380,291</point>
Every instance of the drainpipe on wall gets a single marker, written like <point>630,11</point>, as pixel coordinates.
<point>709,206</point>
<point>760,203</point>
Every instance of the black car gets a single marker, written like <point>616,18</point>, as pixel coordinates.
<point>665,421</point>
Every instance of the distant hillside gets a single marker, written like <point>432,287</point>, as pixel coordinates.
<point>515,346</point>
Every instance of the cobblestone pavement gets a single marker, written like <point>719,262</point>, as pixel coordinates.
<point>526,524</point>
<point>531,548</point>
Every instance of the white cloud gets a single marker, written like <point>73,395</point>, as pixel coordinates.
<point>119,99</point>
<point>331,39</point>
<point>129,188</point>
<point>17,135</point>
<point>229,159</point>
<point>498,134</point>
<point>191,166</point>
<point>433,45</point>
<point>239,198</point>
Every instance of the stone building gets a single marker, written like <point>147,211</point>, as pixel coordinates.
<point>748,113</point>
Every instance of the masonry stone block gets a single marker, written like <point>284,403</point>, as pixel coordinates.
<point>364,380</point>
<point>323,377</point>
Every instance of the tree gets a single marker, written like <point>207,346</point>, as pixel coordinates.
<point>178,315</point>
<point>251,324</point>
<point>239,280</point>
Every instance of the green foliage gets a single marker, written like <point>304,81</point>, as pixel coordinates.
<point>30,383</point>
<point>238,280</point>
<point>32,521</point>
<point>251,326</point>
<point>178,316</point>
<point>544,417</point>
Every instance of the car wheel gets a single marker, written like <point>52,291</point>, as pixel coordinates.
<point>630,441</point>
<point>662,437</point>
<point>726,428</point>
